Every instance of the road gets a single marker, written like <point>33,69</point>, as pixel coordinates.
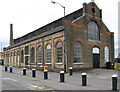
<point>96,79</point>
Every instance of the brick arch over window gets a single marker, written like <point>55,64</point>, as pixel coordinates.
<point>22,50</point>
<point>107,44</point>
<point>95,46</point>
<point>17,51</point>
<point>78,41</point>
<point>32,47</point>
<point>47,44</point>
<point>40,45</point>
<point>58,40</point>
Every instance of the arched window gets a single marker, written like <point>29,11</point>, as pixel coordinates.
<point>96,50</point>
<point>18,53</point>
<point>32,55</point>
<point>48,53</point>
<point>106,54</point>
<point>18,58</point>
<point>22,56</point>
<point>39,54</point>
<point>59,52</point>
<point>14,58</point>
<point>9,58</point>
<point>14,53</point>
<point>93,31</point>
<point>77,52</point>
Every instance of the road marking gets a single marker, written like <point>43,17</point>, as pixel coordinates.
<point>99,77</point>
<point>102,77</point>
<point>9,79</point>
<point>39,87</point>
<point>32,85</point>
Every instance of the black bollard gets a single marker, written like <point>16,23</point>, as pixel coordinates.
<point>2,62</point>
<point>5,68</point>
<point>84,79</point>
<point>33,72</point>
<point>61,76</point>
<point>24,71</point>
<point>71,71</point>
<point>114,82</point>
<point>10,69</point>
<point>45,74</point>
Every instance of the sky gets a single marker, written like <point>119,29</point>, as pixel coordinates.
<point>29,15</point>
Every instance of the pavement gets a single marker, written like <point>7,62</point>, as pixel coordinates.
<point>97,79</point>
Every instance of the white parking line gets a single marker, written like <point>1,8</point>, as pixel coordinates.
<point>99,77</point>
<point>32,85</point>
<point>9,79</point>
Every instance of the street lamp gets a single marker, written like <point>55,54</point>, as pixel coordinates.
<point>64,35</point>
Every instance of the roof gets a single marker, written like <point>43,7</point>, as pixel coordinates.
<point>52,25</point>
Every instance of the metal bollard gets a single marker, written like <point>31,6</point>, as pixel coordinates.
<point>2,62</point>
<point>61,76</point>
<point>24,71</point>
<point>71,71</point>
<point>84,79</point>
<point>5,68</point>
<point>33,72</point>
<point>114,82</point>
<point>45,74</point>
<point>10,69</point>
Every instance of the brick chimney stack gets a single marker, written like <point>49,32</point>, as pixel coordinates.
<point>11,34</point>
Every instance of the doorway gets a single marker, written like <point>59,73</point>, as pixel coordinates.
<point>96,58</point>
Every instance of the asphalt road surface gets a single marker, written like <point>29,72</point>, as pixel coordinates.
<point>97,79</point>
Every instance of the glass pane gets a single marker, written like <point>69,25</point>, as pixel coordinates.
<point>96,50</point>
<point>93,31</point>
<point>106,54</point>
<point>77,52</point>
<point>40,55</point>
<point>26,50</point>
<point>48,53</point>
<point>59,52</point>
<point>22,57</point>
<point>32,55</point>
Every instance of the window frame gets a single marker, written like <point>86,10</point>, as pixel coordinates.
<point>96,35</point>
<point>22,56</point>
<point>32,60</point>
<point>50,54</point>
<point>39,55</point>
<point>80,53</point>
<point>60,52</point>
<point>108,54</point>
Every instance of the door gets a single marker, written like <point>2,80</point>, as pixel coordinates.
<point>96,57</point>
<point>96,60</point>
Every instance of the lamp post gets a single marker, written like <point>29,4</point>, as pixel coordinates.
<point>64,35</point>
